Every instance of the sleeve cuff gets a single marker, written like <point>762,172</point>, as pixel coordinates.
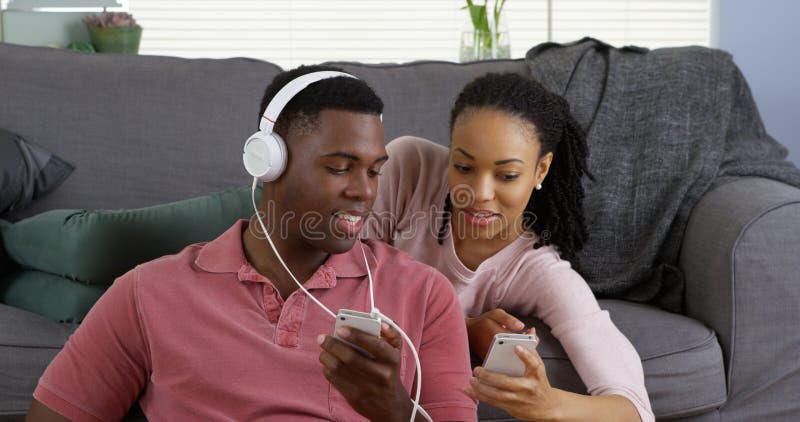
<point>61,406</point>
<point>645,412</point>
<point>453,413</point>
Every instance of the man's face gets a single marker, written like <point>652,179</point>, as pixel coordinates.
<point>331,180</point>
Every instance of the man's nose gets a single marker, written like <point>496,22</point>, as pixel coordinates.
<point>361,187</point>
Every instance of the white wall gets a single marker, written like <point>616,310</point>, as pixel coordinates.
<point>764,38</point>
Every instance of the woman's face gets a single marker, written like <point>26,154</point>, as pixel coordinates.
<point>493,170</point>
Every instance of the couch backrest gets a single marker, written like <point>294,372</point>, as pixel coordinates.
<point>140,130</point>
<point>143,130</point>
<point>418,96</point>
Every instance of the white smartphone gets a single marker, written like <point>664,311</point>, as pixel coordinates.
<point>358,320</point>
<point>502,358</point>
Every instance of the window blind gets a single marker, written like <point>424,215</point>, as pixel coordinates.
<point>294,32</point>
<point>647,23</point>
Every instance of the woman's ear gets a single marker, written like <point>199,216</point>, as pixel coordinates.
<point>543,167</point>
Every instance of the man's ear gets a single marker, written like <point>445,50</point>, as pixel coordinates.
<point>543,167</point>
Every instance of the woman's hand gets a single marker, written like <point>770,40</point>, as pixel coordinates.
<point>371,385</point>
<point>481,330</point>
<point>529,397</point>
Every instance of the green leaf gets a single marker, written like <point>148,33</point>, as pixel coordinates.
<point>479,19</point>
<point>498,11</point>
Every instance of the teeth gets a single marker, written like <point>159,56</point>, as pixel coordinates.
<point>348,217</point>
<point>481,215</point>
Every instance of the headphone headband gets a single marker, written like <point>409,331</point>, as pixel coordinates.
<point>291,89</point>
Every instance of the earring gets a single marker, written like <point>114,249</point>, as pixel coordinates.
<point>539,186</point>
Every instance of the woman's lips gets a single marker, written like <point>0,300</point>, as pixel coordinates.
<point>480,218</point>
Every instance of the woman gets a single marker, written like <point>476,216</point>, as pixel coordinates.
<point>500,214</point>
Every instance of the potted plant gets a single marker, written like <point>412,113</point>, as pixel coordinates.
<point>114,32</point>
<point>486,35</point>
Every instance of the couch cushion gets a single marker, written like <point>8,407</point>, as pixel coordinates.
<point>682,360</point>
<point>140,130</point>
<point>418,96</point>
<point>54,297</point>
<point>95,247</point>
<point>28,342</point>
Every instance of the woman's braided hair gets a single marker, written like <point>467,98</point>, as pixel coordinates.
<point>556,212</point>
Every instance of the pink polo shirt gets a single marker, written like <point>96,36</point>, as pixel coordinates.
<point>201,335</point>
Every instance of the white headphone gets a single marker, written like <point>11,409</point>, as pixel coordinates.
<point>265,155</point>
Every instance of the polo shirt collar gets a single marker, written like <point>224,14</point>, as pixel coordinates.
<point>225,254</point>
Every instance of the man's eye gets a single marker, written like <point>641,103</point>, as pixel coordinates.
<point>337,171</point>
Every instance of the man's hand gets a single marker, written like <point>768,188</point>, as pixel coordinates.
<point>372,386</point>
<point>481,330</point>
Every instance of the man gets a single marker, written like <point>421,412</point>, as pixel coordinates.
<point>220,330</point>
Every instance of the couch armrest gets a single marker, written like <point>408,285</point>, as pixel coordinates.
<point>741,259</point>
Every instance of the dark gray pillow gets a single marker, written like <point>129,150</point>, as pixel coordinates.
<point>27,172</point>
<point>6,264</point>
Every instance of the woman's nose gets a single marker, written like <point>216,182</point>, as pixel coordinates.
<point>484,189</point>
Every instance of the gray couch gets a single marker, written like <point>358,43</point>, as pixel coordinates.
<point>147,130</point>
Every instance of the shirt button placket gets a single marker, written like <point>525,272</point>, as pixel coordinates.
<point>272,304</point>
<point>290,320</point>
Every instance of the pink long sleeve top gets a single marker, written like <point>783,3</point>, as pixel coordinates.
<point>519,279</point>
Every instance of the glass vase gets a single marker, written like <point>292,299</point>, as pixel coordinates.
<point>478,44</point>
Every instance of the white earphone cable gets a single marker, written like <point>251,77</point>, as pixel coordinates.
<point>377,313</point>
<point>278,255</point>
<point>369,276</point>
<point>374,310</point>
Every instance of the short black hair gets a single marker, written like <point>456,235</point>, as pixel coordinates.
<point>302,111</point>
<point>555,213</point>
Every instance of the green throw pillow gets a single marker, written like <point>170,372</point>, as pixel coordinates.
<point>95,247</point>
<point>49,295</point>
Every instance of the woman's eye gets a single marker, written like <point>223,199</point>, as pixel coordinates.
<point>337,171</point>
<point>373,173</point>
<point>461,169</point>
<point>509,177</point>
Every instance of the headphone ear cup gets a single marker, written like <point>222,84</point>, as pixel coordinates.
<point>265,156</point>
